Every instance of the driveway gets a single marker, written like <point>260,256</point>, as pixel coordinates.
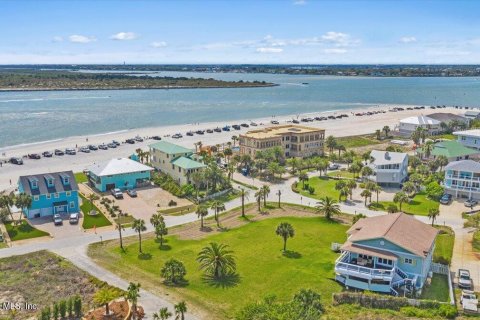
<point>61,231</point>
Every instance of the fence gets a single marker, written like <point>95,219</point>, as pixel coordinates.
<point>445,270</point>
<point>218,194</point>
<point>377,301</point>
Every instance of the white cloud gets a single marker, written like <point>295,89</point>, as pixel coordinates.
<point>124,36</point>
<point>81,39</point>
<point>335,51</point>
<point>158,44</point>
<point>408,39</point>
<point>337,38</point>
<point>269,50</point>
<point>57,39</point>
<point>299,2</point>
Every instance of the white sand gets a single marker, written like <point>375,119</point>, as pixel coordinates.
<point>352,125</point>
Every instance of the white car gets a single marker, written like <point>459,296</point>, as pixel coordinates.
<point>333,166</point>
<point>73,218</point>
<point>469,301</point>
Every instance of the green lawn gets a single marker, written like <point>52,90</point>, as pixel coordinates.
<point>438,289</point>
<point>261,266</point>
<point>23,231</point>
<point>419,205</point>
<point>448,136</point>
<point>357,141</point>
<point>341,173</point>
<point>89,221</point>
<point>476,241</point>
<point>444,245</point>
<point>323,187</point>
<point>80,177</point>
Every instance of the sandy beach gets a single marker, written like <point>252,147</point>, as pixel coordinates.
<point>353,125</point>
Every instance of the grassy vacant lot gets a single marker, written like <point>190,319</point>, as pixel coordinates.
<point>43,278</point>
<point>98,220</point>
<point>357,141</point>
<point>448,136</point>
<point>323,187</point>
<point>438,289</point>
<point>341,173</point>
<point>80,177</point>
<point>419,205</point>
<point>23,231</point>
<point>261,266</point>
<point>444,245</point>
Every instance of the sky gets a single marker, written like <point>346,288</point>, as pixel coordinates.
<point>230,31</point>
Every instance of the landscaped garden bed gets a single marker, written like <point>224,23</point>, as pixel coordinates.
<point>90,221</point>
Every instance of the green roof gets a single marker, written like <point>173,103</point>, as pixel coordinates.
<point>169,148</point>
<point>187,163</point>
<point>452,149</point>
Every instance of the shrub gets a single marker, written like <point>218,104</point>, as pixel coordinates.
<point>63,308</point>
<point>311,190</point>
<point>172,203</point>
<point>173,271</point>
<point>392,208</point>
<point>434,190</point>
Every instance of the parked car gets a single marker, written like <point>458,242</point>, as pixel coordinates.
<point>92,147</point>
<point>209,131</point>
<point>275,122</point>
<point>470,203</point>
<point>116,142</point>
<point>59,152</point>
<point>84,149</point>
<point>73,218</point>
<point>333,166</point>
<point>103,146</point>
<point>117,193</point>
<point>132,193</point>
<point>190,133</point>
<point>469,301</point>
<point>112,145</point>
<point>157,138</point>
<point>35,156</point>
<point>177,136</point>
<point>236,127</point>
<point>217,130</point>
<point>130,141</point>
<point>200,131</point>
<point>446,199</point>
<point>47,154</point>
<point>70,151</point>
<point>226,128</point>
<point>464,280</point>
<point>57,219</point>
<point>295,121</point>
<point>253,124</point>
<point>138,138</point>
<point>16,160</point>
<point>245,125</point>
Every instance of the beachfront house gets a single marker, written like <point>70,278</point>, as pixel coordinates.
<point>449,118</point>
<point>387,253</point>
<point>452,150</point>
<point>51,193</point>
<point>462,179</point>
<point>121,173</point>
<point>469,138</point>
<point>176,161</point>
<point>294,140</point>
<point>410,124</point>
<point>472,114</point>
<point>389,168</point>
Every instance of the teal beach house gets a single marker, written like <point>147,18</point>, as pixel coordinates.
<point>51,193</point>
<point>387,254</point>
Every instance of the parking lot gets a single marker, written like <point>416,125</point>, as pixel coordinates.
<point>148,201</point>
<point>61,231</point>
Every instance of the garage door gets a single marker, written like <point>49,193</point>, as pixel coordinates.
<point>110,186</point>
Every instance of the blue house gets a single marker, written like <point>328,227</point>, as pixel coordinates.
<point>386,254</point>
<point>119,173</point>
<point>51,193</point>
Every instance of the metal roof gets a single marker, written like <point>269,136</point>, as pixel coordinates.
<point>118,166</point>
<point>169,148</point>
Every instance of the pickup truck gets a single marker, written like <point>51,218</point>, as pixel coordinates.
<point>117,193</point>
<point>464,280</point>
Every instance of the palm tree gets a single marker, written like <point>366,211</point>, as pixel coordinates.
<point>366,193</point>
<point>328,207</point>
<point>202,211</point>
<point>285,230</point>
<point>180,310</point>
<point>163,314</point>
<point>433,213</point>
<point>377,189</point>
<point>103,297</point>
<point>217,206</point>
<point>303,176</point>
<point>386,129</point>
<point>23,201</point>
<point>378,134</point>
<point>351,185</point>
<point>442,161</point>
<point>243,195</point>
<point>92,197</point>
<point>139,226</point>
<point>355,168</point>
<point>120,228</point>
<point>234,139</point>
<point>340,148</point>
<point>427,148</point>
<point>266,191</point>
<point>197,178</point>
<point>216,260</point>
<point>133,293</point>
<point>156,219</point>
<point>366,172</point>
<point>293,163</point>
<point>409,187</point>
<point>330,142</point>
<point>366,157</point>
<point>160,231</point>
<point>258,198</point>
<point>400,198</point>
<point>7,201</point>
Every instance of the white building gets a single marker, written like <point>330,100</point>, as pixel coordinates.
<point>410,124</point>
<point>469,138</point>
<point>390,168</point>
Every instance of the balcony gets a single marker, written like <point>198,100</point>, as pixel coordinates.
<point>345,265</point>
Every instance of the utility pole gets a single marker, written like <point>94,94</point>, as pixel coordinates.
<point>279,193</point>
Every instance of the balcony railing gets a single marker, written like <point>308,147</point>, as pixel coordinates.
<point>343,264</point>
<point>462,177</point>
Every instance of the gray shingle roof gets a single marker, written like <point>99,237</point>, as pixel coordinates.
<point>464,165</point>
<point>43,188</point>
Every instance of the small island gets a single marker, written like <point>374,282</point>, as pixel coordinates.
<point>44,80</point>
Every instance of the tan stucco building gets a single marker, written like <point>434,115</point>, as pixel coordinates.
<point>296,141</point>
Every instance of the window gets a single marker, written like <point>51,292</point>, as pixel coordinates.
<point>68,193</point>
<point>56,195</point>
<point>34,184</point>
<point>48,196</point>
<point>408,260</point>
<point>72,204</point>
<point>36,198</point>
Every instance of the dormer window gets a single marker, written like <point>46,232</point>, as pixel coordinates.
<point>33,183</point>
<point>65,179</point>
<point>49,179</point>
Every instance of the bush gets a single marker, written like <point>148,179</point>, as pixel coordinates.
<point>392,208</point>
<point>311,190</point>
<point>172,203</point>
<point>434,190</point>
<point>173,271</point>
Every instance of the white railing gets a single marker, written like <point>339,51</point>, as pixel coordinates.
<point>364,270</point>
<point>452,176</point>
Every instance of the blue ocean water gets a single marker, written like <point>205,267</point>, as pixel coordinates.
<point>27,117</point>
